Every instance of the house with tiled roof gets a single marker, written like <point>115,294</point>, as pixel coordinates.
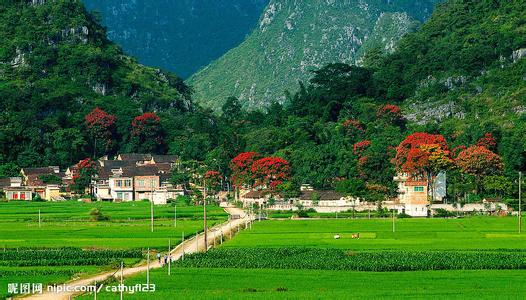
<point>131,178</point>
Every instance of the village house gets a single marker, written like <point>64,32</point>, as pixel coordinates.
<point>45,182</point>
<point>133,177</point>
<point>413,194</point>
<point>14,190</point>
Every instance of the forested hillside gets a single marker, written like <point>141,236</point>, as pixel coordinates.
<point>56,66</point>
<point>295,37</point>
<point>460,78</point>
<point>181,36</point>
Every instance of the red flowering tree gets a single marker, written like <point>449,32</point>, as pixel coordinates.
<point>360,147</point>
<point>213,181</point>
<point>84,172</point>
<point>479,161</point>
<point>241,167</point>
<point>101,127</point>
<point>487,141</point>
<point>391,113</point>
<point>270,172</point>
<point>147,133</point>
<point>423,155</point>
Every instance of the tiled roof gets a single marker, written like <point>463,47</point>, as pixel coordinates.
<point>416,183</point>
<point>255,194</point>
<point>5,182</point>
<point>135,156</point>
<point>165,158</point>
<point>38,171</point>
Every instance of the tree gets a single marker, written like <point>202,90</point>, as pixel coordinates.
<point>241,167</point>
<point>478,161</point>
<point>391,113</point>
<point>148,134</point>
<point>498,185</point>
<point>213,181</point>
<point>270,172</point>
<point>85,170</point>
<point>231,110</point>
<point>9,170</point>
<point>487,141</point>
<point>423,154</point>
<point>101,126</point>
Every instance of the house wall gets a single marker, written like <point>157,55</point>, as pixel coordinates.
<point>18,195</point>
<point>121,188</point>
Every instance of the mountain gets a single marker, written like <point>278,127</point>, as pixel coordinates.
<point>56,65</point>
<point>294,37</point>
<point>178,35</point>
<point>465,65</point>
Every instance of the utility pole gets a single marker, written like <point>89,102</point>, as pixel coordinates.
<point>151,215</point>
<point>148,268</point>
<point>169,256</point>
<point>520,202</point>
<point>175,216</point>
<point>204,214</point>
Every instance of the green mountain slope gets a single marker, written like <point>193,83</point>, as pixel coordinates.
<point>295,37</point>
<point>56,65</point>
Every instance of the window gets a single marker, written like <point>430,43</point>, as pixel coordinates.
<point>141,183</point>
<point>127,183</point>
<point>15,195</point>
<point>23,196</point>
<point>419,188</point>
<point>118,183</point>
<point>119,196</point>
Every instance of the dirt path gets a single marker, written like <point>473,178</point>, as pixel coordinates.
<point>189,246</point>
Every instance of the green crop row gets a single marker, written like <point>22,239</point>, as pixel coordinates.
<point>336,259</point>
<point>64,256</point>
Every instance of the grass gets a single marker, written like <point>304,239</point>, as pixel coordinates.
<point>190,283</point>
<point>376,234</point>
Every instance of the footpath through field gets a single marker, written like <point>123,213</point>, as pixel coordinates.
<point>189,246</point>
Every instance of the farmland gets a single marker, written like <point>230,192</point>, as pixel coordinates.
<point>68,224</point>
<point>376,234</point>
<point>100,245</point>
<point>441,258</point>
<point>220,283</point>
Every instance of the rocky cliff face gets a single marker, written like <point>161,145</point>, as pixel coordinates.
<point>178,35</point>
<point>294,37</point>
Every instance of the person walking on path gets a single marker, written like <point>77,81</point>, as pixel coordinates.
<point>166,259</point>
<point>159,257</point>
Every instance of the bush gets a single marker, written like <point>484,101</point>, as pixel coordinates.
<point>302,214</point>
<point>96,215</point>
<point>442,213</point>
<point>404,216</point>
